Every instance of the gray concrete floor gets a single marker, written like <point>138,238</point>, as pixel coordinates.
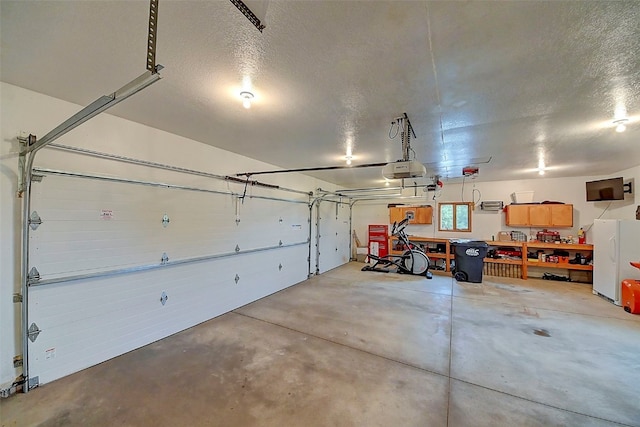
<point>352,348</point>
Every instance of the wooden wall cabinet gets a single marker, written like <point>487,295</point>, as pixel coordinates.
<point>517,215</point>
<point>416,214</point>
<point>561,215</point>
<point>539,215</point>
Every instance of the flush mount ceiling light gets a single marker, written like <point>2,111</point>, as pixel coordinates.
<point>621,125</point>
<point>246,98</point>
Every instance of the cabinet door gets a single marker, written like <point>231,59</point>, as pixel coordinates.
<point>517,215</point>
<point>396,215</point>
<point>561,215</point>
<point>540,215</point>
<point>424,215</point>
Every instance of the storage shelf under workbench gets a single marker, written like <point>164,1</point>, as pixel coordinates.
<point>525,263</point>
<point>543,245</point>
<point>447,256</point>
<point>504,261</point>
<point>505,267</point>
<point>564,265</point>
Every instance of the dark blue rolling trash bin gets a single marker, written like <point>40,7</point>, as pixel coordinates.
<point>469,257</point>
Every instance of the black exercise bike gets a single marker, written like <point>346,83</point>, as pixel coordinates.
<point>412,261</point>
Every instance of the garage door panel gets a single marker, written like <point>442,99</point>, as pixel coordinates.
<point>106,196</point>
<point>76,255</point>
<point>59,258</point>
<point>64,246</point>
<point>87,322</point>
<point>335,235</point>
<point>93,298</point>
<point>272,222</point>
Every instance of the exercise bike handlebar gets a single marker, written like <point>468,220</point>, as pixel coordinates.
<point>401,226</point>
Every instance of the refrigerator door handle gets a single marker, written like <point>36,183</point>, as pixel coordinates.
<point>612,248</point>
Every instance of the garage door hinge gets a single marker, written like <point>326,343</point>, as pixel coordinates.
<point>165,259</point>
<point>17,298</point>
<point>237,279</point>
<point>34,220</point>
<point>280,243</point>
<point>36,178</point>
<point>280,267</point>
<point>34,275</point>
<point>163,298</point>
<point>17,361</point>
<point>33,333</point>
<point>237,248</point>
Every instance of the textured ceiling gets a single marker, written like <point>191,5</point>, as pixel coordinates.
<point>515,82</point>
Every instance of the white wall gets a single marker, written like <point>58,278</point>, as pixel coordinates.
<point>486,224</point>
<point>30,112</point>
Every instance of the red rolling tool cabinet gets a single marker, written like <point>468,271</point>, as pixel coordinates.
<point>379,235</point>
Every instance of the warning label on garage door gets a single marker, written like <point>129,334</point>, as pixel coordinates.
<point>106,214</point>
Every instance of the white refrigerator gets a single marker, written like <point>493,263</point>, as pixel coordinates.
<point>616,242</point>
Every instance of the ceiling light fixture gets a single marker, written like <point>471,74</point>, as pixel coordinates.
<point>621,125</point>
<point>246,99</point>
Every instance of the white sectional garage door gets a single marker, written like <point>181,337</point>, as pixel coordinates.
<point>334,235</point>
<point>171,258</point>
